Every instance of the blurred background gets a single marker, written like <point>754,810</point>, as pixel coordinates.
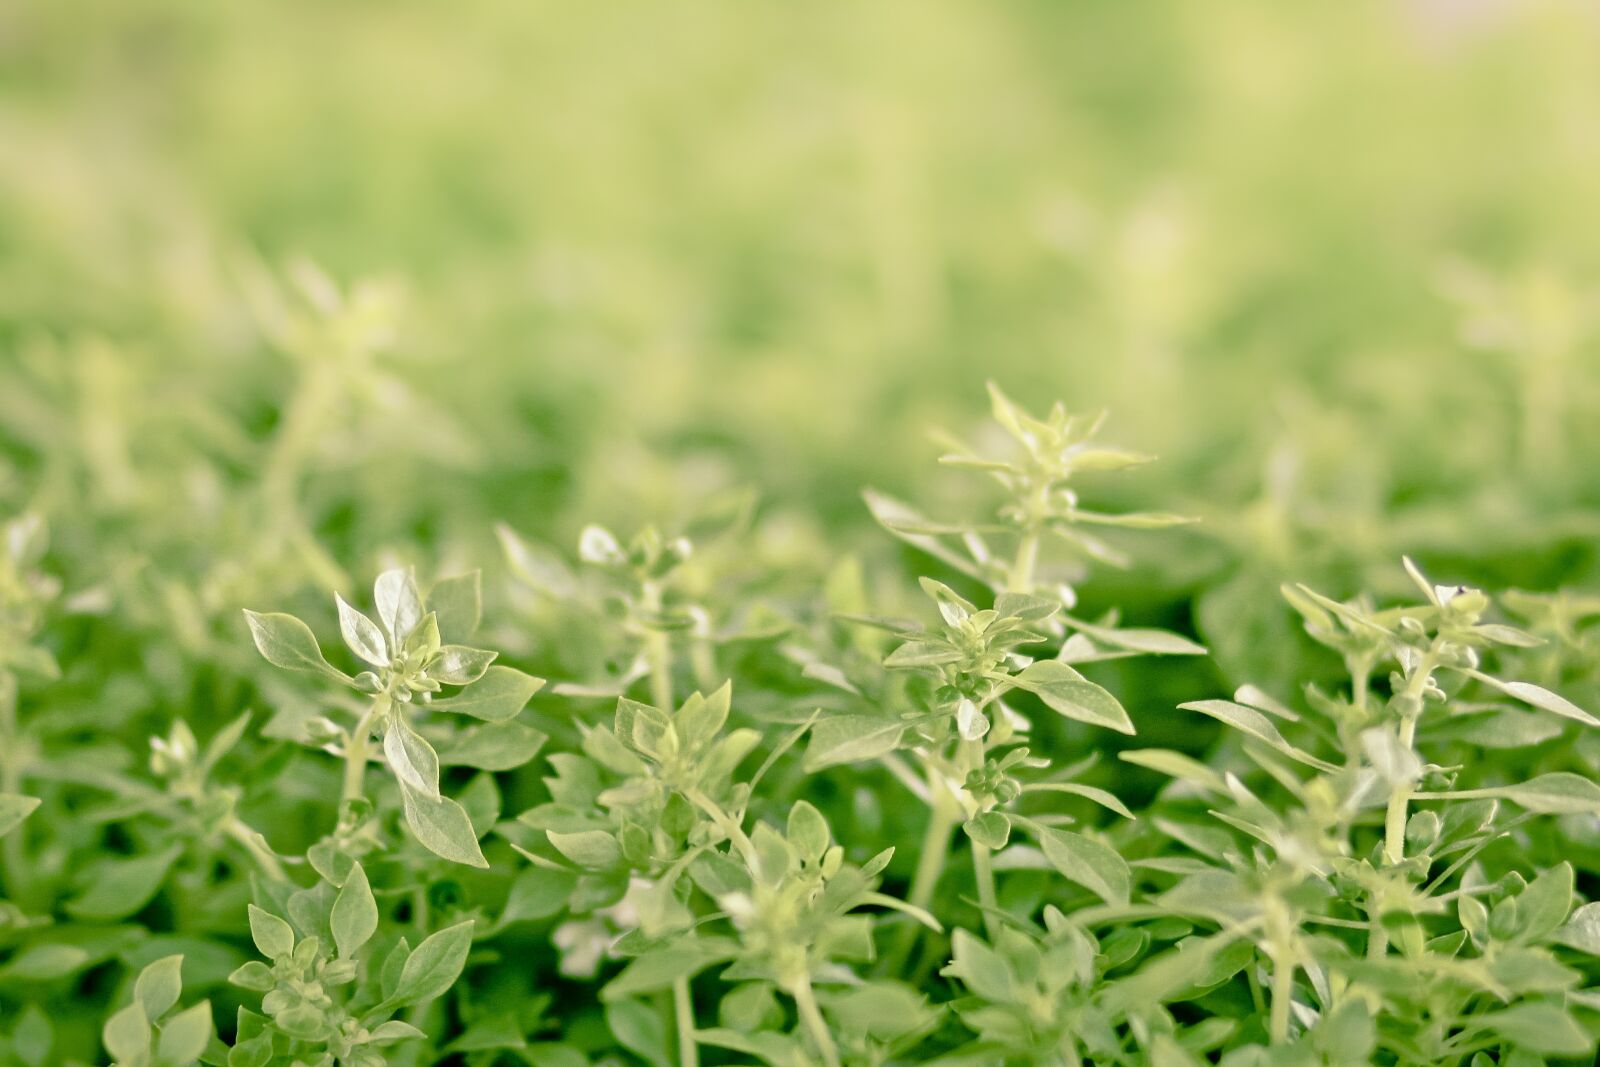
<point>287,286</point>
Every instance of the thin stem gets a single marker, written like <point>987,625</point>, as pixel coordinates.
<point>983,872</point>
<point>257,847</point>
<point>658,651</point>
<point>1282,997</point>
<point>805,1000</point>
<point>1282,954</point>
<point>726,822</point>
<point>935,850</point>
<point>13,858</point>
<point>703,660</point>
<point>1020,579</point>
<point>943,814</point>
<point>972,753</point>
<point>356,749</point>
<point>1394,820</point>
<point>683,1008</point>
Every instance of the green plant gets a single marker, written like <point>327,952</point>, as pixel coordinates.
<point>1386,863</point>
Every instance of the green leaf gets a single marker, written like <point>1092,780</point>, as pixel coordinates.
<point>158,986</point>
<point>660,967</point>
<point>1582,930</point>
<point>127,1035</point>
<point>287,642</point>
<point>500,694</point>
<point>354,918</point>
<point>185,1036</point>
<point>273,936</point>
<point>1538,697</point>
<point>1152,642</point>
<point>13,809</point>
<point>442,826</point>
<point>33,1037</point>
<point>808,831</point>
<point>1559,793</point>
<point>1176,765</point>
<point>1545,904</point>
<point>922,654</point>
<point>991,829</point>
<point>595,849</point>
<point>1069,693</point>
<point>1105,799</point>
<point>458,603</point>
<point>394,1031</point>
<point>433,966</point>
<point>460,665</point>
<point>537,893</point>
<point>1089,863</point>
<point>981,968</point>
<point>639,1030</point>
<point>1252,722</point>
<point>361,634</point>
<point>411,758</point>
<point>1538,1027</point>
<point>840,739</point>
<point>399,603</point>
<point>501,1030</point>
<point>494,746</point>
<point>45,962</point>
<point>538,566</point>
<point>115,889</point>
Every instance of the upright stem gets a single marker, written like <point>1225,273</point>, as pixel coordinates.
<point>982,858</point>
<point>983,872</point>
<point>253,844</point>
<point>1020,579</point>
<point>683,1006</point>
<point>942,818</point>
<point>805,1000</point>
<point>356,749</point>
<point>13,860</point>
<point>1281,953</point>
<point>1394,820</point>
<point>658,652</point>
<point>1282,998</point>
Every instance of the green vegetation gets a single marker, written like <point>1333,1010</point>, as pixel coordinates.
<point>712,702</point>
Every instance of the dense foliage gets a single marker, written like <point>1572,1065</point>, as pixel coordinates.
<point>1342,881</point>
<point>476,586</point>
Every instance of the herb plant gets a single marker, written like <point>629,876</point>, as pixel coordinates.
<point>838,818</point>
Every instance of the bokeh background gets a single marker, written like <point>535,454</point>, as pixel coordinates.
<point>286,286</point>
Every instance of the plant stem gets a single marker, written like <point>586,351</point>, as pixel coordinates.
<point>1394,820</point>
<point>13,858</point>
<point>683,1005</point>
<point>943,814</point>
<point>658,652</point>
<point>1020,580</point>
<point>356,748</point>
<point>727,823</point>
<point>253,844</point>
<point>983,872</point>
<point>1282,998</point>
<point>973,753</point>
<point>1281,952</point>
<point>805,1000</point>
<point>942,819</point>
